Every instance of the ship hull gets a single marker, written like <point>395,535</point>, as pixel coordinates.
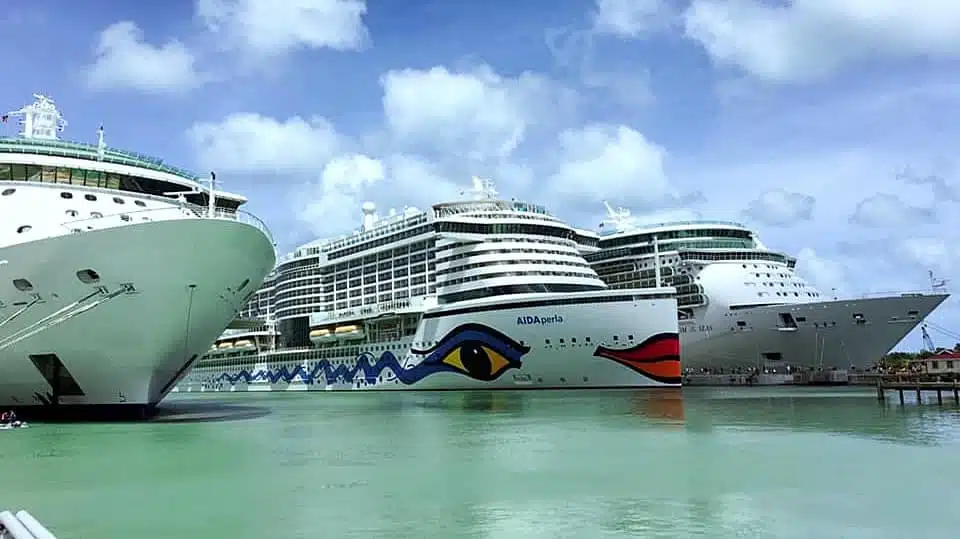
<point>117,345</point>
<point>826,335</point>
<point>607,339</point>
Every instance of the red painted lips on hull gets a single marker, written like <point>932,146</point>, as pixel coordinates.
<point>657,358</point>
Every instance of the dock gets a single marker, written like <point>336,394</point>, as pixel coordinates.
<point>918,386</point>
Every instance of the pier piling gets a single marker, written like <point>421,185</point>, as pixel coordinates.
<point>920,387</point>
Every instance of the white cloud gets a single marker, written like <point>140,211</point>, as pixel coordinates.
<point>827,275</point>
<point>931,252</point>
<point>778,207</point>
<point>611,162</point>
<point>809,39</point>
<point>631,18</point>
<point>269,28</point>
<point>249,142</point>
<point>476,114</point>
<point>125,60</point>
<point>886,210</point>
<point>331,200</point>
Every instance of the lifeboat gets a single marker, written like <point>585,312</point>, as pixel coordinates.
<point>224,345</point>
<point>349,333</point>
<point>243,344</point>
<point>322,335</point>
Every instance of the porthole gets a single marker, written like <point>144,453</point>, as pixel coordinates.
<point>140,203</point>
<point>90,197</point>
<point>88,276</point>
<point>65,194</point>
<point>24,228</point>
<point>23,285</point>
<point>118,200</point>
<point>8,192</point>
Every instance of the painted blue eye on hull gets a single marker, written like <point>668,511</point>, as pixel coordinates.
<point>474,350</point>
<point>478,351</point>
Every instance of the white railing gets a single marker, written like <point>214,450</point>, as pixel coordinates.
<point>186,209</point>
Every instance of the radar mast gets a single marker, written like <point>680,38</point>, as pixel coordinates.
<point>40,119</point>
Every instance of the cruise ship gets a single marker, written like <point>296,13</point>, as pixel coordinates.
<point>117,271</point>
<point>479,293</point>
<point>744,305</point>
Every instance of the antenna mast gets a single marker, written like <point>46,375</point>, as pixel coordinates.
<point>620,218</point>
<point>212,196</point>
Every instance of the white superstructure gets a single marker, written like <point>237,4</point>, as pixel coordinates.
<point>116,270</point>
<point>479,293</point>
<point>743,305</point>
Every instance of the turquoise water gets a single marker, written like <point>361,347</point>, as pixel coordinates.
<point>704,462</point>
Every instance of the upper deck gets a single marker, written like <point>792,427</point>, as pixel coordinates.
<point>105,167</point>
<point>89,152</point>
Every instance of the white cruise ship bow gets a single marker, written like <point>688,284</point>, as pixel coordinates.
<point>743,305</point>
<point>117,271</point>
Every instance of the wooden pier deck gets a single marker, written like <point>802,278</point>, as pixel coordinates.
<point>920,387</point>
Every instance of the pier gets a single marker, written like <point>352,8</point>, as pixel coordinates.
<point>918,386</point>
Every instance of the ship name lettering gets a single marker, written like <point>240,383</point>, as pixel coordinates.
<point>533,320</point>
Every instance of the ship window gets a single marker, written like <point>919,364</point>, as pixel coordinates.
<point>139,203</point>
<point>72,213</point>
<point>24,228</point>
<point>8,192</point>
<point>90,197</point>
<point>124,217</point>
<point>118,200</point>
<point>66,195</point>
<point>23,285</point>
<point>88,276</point>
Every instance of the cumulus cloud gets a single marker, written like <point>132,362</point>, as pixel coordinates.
<point>331,200</point>
<point>249,142</point>
<point>268,28</point>
<point>810,39</point>
<point>124,60</point>
<point>631,18</point>
<point>477,114</point>
<point>778,207</point>
<point>602,161</point>
<point>886,210</point>
<point>829,276</point>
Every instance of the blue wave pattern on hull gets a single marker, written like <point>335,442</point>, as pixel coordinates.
<point>474,350</point>
<point>369,368</point>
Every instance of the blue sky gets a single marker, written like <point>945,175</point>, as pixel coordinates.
<point>830,127</point>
